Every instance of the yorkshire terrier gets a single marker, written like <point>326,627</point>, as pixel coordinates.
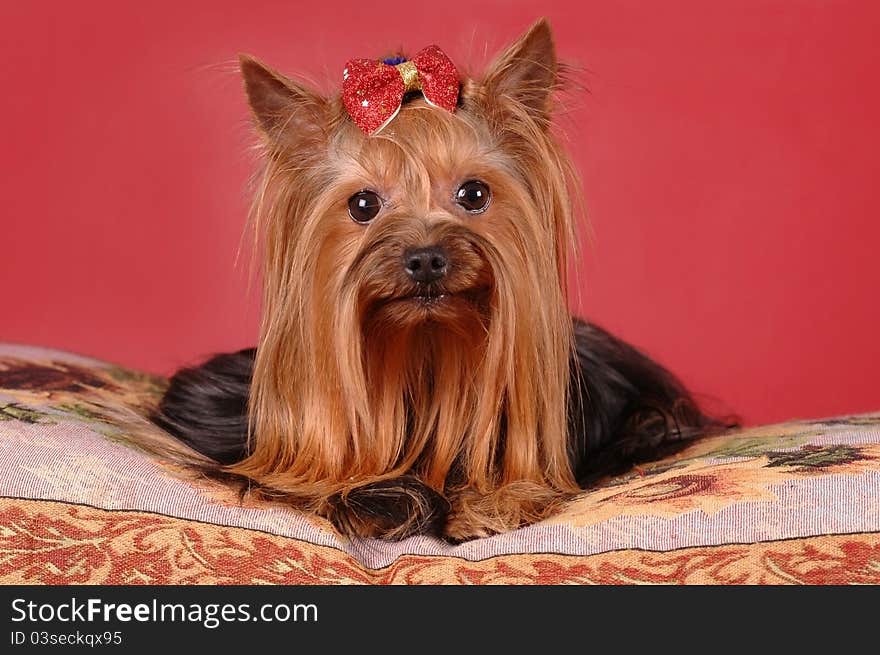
<point>418,369</point>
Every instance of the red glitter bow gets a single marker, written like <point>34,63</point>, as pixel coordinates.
<point>373,90</point>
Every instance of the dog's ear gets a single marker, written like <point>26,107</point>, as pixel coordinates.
<point>284,111</point>
<point>527,72</point>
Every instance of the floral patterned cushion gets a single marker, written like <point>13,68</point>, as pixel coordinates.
<point>81,503</point>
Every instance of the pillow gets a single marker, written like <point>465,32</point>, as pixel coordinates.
<point>80,503</point>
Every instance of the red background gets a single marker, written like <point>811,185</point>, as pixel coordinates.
<point>729,152</point>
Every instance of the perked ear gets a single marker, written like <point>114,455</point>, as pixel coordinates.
<point>284,111</point>
<point>527,72</point>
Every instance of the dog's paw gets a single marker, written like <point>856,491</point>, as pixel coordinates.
<point>458,530</point>
<point>389,509</point>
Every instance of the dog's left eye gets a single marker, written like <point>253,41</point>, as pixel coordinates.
<point>473,196</point>
<point>363,206</point>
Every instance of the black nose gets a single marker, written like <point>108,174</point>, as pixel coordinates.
<point>425,264</point>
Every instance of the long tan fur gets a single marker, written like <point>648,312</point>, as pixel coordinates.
<point>353,383</point>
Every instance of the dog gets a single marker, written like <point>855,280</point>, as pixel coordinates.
<point>418,369</point>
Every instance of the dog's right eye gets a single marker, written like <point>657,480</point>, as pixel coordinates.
<point>363,206</point>
<point>473,196</point>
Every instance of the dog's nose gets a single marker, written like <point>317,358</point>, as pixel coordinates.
<point>425,264</point>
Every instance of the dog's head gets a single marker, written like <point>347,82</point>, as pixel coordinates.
<point>415,311</point>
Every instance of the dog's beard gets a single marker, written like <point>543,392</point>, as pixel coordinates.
<point>422,348</point>
<point>422,382</point>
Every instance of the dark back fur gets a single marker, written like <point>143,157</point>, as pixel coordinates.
<point>206,406</point>
<point>624,408</point>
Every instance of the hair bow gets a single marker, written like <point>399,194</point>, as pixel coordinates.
<point>373,91</point>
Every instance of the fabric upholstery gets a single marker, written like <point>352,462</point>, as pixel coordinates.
<point>81,503</point>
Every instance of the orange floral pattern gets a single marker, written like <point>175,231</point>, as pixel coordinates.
<point>53,543</point>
